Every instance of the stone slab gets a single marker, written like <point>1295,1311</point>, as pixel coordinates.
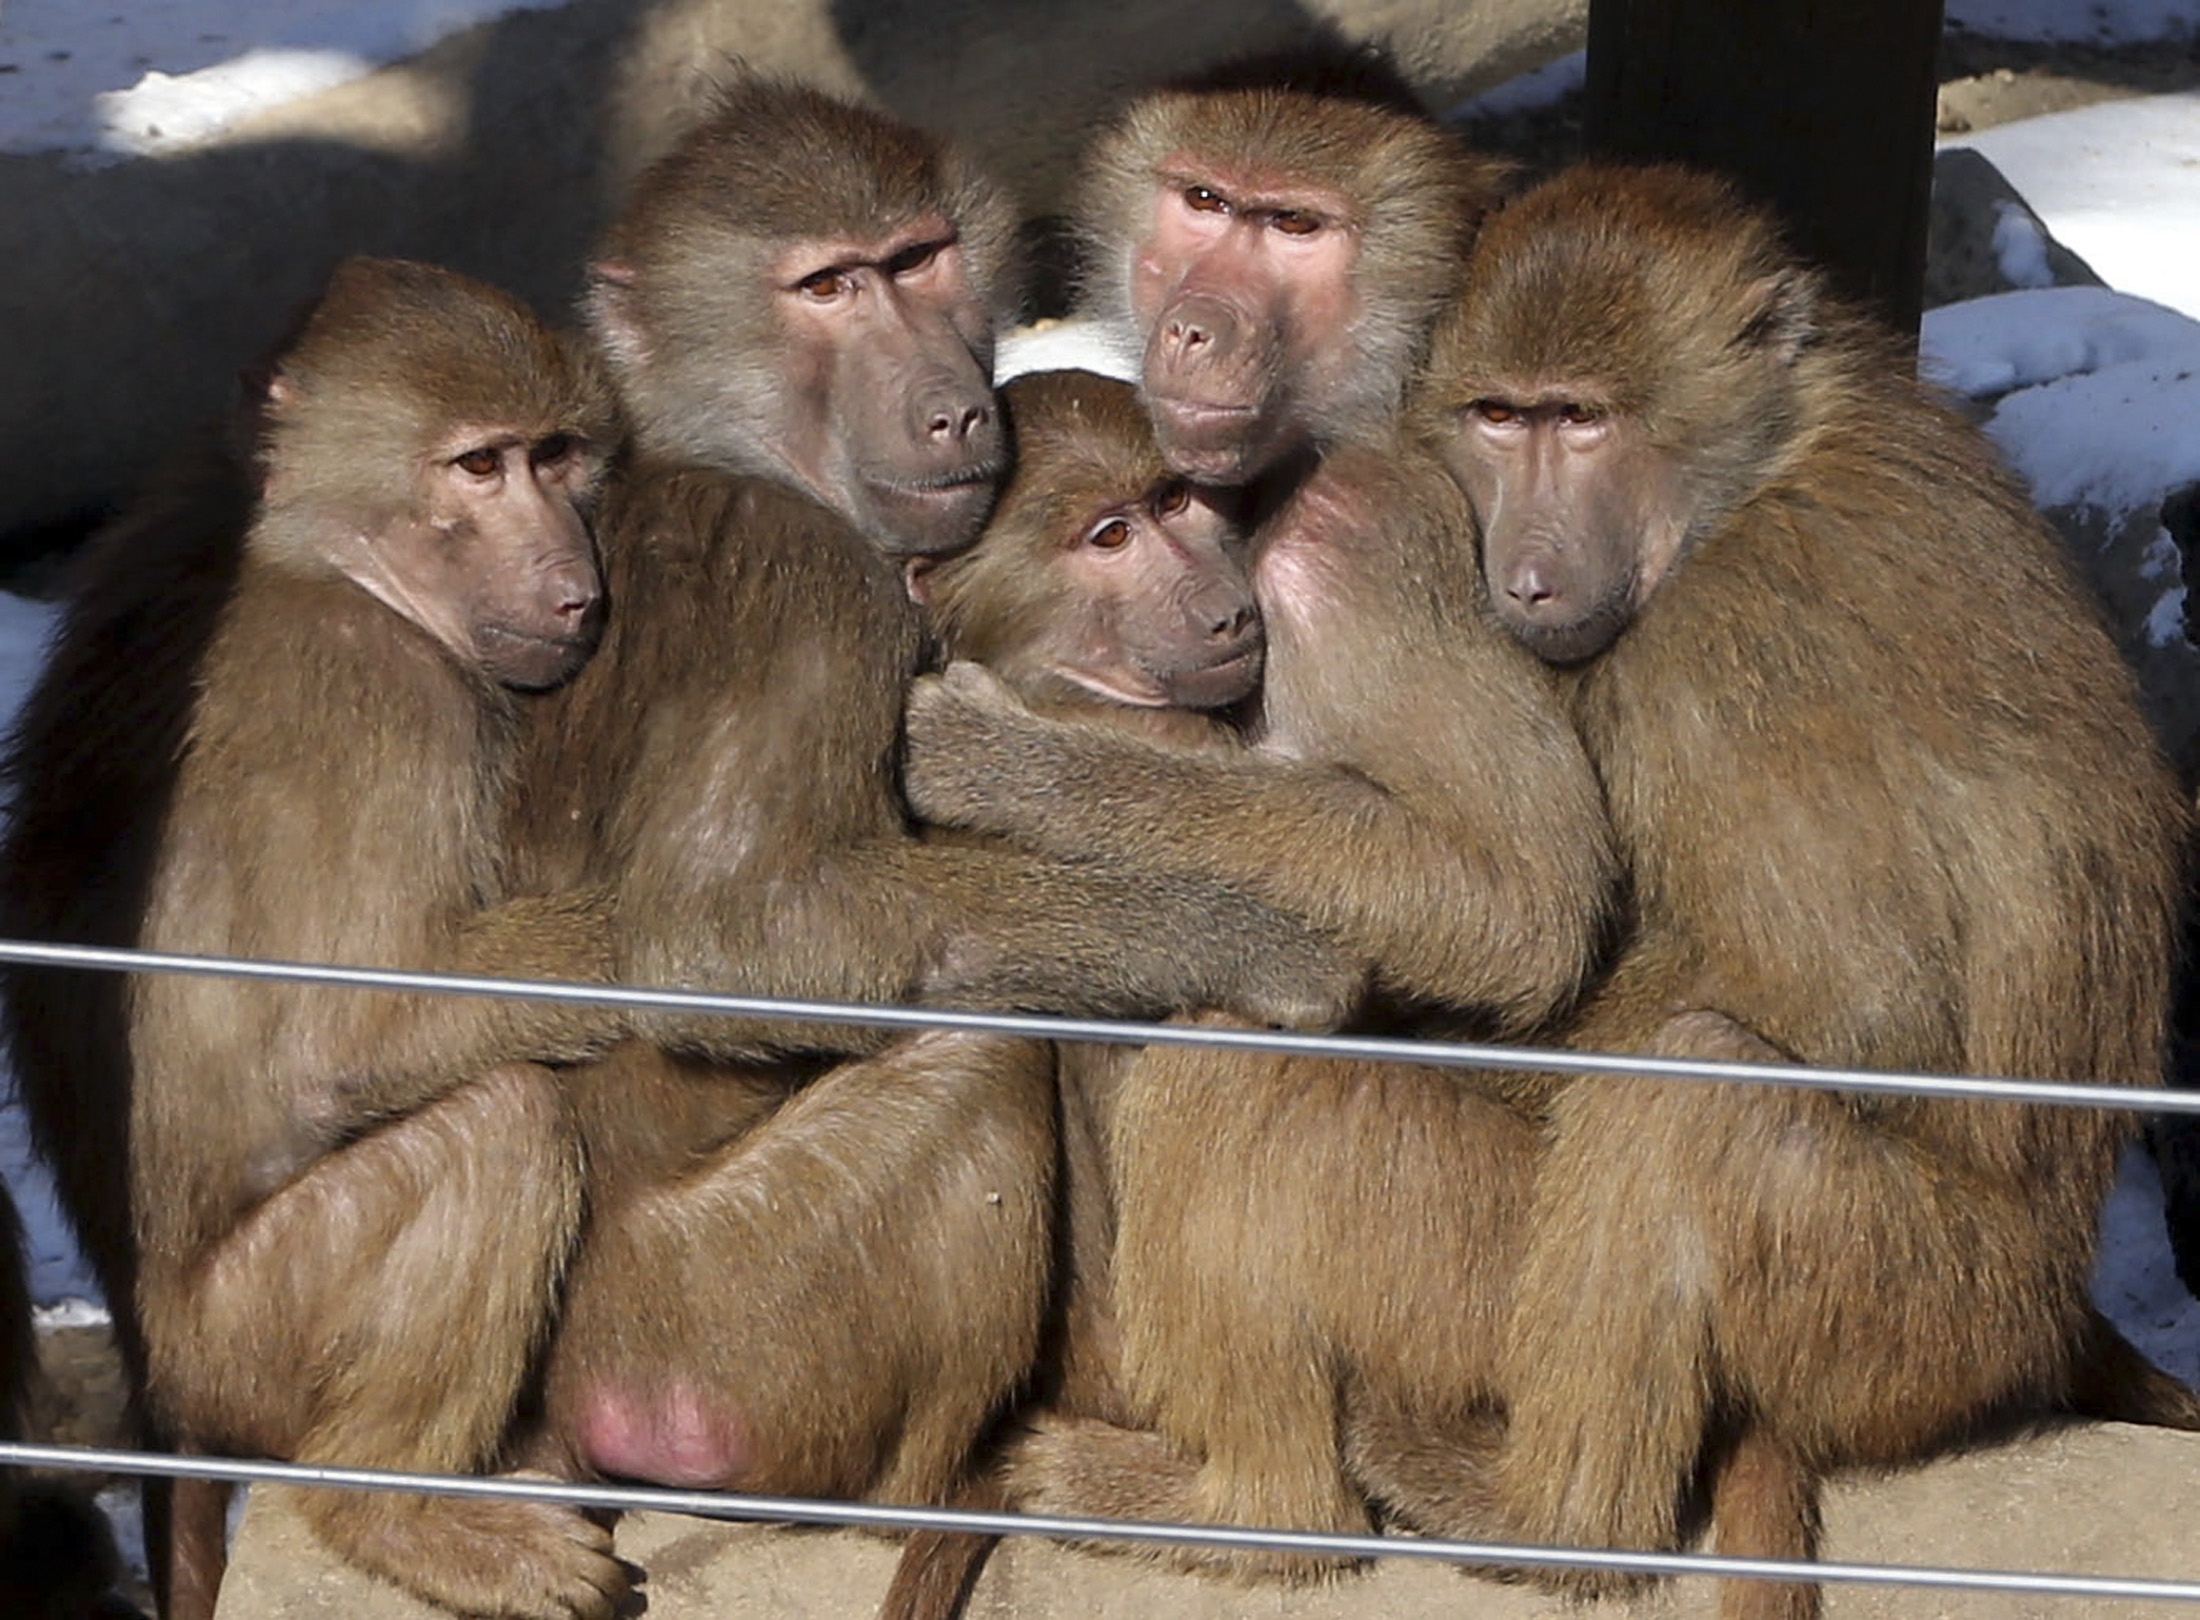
<point>2097,1499</point>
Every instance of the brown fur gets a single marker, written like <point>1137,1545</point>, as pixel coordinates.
<point>237,749</point>
<point>862,1226</point>
<point>1400,766</point>
<point>1408,783</point>
<point>1029,600</point>
<point>1886,799</point>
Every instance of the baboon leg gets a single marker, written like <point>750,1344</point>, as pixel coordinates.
<point>1608,1357</point>
<point>1086,1468</point>
<point>835,1303</point>
<point>1217,1351</point>
<point>1700,1244</point>
<point>195,1533</point>
<point>1764,1504</point>
<point>1432,1473</point>
<point>1287,1225</point>
<point>2115,1383</point>
<point>453,1224</point>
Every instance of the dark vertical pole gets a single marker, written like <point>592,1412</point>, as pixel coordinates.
<point>1822,108</point>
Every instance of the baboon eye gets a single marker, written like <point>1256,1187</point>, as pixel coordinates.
<point>1202,200</point>
<point>551,449</point>
<point>478,463</point>
<point>1294,222</point>
<point>1494,411</point>
<point>1576,415</point>
<point>1112,535</point>
<point>826,285</point>
<point>912,258</point>
<point>1171,499</point>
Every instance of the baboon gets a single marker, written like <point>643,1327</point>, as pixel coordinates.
<point>1408,781</point>
<point>817,1260</point>
<point>1397,1276</point>
<point>1886,800</point>
<point>1109,588</point>
<point>278,723</point>
<point>1104,585</point>
<point>1280,253</point>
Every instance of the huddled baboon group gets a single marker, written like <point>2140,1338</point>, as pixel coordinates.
<point>1515,609</point>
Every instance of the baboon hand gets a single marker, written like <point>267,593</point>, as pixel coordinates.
<point>963,730</point>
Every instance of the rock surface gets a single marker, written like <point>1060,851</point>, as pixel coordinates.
<point>2086,1499</point>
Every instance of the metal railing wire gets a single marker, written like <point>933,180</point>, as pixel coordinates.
<point>733,1506</point>
<point>1038,1026</point>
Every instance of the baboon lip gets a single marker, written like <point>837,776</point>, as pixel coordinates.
<point>1201,410</point>
<point>1216,685</point>
<point>1574,642</point>
<point>530,662</point>
<point>984,474</point>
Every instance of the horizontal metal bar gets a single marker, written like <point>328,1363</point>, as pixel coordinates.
<point>803,1510</point>
<point>1035,1026</point>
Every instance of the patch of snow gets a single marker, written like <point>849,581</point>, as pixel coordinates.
<point>2094,22</point>
<point>1553,81</point>
<point>2098,393</point>
<point>2165,621</point>
<point>1071,345</point>
<point>70,1313</point>
<point>116,78</point>
<point>164,112</point>
<point>2135,1282</point>
<point>2020,249</point>
<point>2118,183</point>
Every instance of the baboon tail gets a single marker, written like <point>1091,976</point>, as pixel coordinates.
<point>2112,1381</point>
<point>938,1568</point>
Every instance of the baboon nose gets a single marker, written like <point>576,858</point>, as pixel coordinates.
<point>1185,336</point>
<point>1230,623</point>
<point>957,425</point>
<point>573,600</point>
<point>1530,586</point>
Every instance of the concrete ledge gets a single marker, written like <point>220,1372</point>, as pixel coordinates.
<point>2101,1499</point>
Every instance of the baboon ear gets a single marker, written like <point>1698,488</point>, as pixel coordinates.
<point>609,303</point>
<point>1783,314</point>
<point>916,579</point>
<point>261,386</point>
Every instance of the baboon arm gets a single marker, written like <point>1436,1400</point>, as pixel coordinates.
<point>893,919</point>
<point>1466,899</point>
<point>353,1057</point>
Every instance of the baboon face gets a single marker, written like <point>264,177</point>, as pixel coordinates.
<point>1580,516</point>
<point>1243,283</point>
<point>806,290</point>
<point>430,440</point>
<point>1102,571</point>
<point>1280,254</point>
<point>497,564</point>
<point>1624,367</point>
<point>888,409</point>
